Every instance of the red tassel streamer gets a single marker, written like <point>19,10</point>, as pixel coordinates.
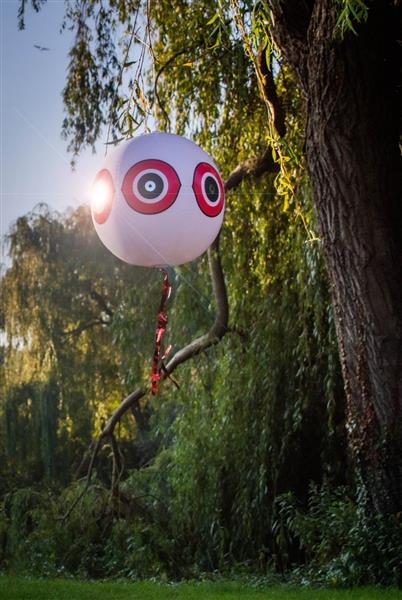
<point>159,333</point>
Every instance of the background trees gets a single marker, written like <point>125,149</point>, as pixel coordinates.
<point>59,299</point>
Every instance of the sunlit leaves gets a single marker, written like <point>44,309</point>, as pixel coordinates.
<point>59,296</point>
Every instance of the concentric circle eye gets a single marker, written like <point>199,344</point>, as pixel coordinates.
<point>208,189</point>
<point>150,186</point>
<point>102,196</point>
<point>211,189</point>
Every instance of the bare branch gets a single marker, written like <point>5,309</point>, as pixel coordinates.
<point>127,403</point>
<point>85,457</point>
<point>101,302</point>
<point>118,465</point>
<point>83,326</point>
<point>220,326</point>
<point>268,90</point>
<point>252,167</point>
<point>84,490</point>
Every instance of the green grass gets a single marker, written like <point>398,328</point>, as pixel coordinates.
<point>17,588</point>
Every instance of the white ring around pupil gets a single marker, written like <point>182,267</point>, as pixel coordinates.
<point>150,186</point>
<point>203,181</point>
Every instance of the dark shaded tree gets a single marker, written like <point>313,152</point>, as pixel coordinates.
<point>351,85</point>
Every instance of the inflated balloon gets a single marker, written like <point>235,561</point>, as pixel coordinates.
<point>158,201</point>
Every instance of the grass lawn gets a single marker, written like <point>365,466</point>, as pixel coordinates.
<point>17,588</point>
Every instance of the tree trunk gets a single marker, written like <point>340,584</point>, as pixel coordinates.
<point>352,130</point>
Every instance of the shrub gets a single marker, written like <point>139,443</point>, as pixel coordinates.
<point>341,541</point>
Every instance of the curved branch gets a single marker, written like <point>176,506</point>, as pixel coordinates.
<point>268,90</point>
<point>83,327</point>
<point>220,325</point>
<point>118,465</point>
<point>217,331</point>
<point>252,167</point>
<point>115,417</point>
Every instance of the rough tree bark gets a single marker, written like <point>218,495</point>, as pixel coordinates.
<point>352,128</point>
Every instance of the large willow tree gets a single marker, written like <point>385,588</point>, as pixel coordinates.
<point>59,297</point>
<point>327,73</point>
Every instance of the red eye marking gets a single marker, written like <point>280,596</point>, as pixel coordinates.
<point>150,186</point>
<point>102,196</point>
<point>208,189</point>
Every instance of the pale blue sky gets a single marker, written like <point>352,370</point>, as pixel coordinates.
<point>35,166</point>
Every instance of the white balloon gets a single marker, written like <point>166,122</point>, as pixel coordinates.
<point>159,201</point>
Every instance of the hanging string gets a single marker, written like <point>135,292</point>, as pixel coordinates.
<point>157,363</point>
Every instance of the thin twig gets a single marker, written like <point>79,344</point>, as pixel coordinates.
<point>156,93</point>
<point>132,36</point>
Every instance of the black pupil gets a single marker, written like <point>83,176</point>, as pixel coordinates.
<point>211,189</point>
<point>150,186</point>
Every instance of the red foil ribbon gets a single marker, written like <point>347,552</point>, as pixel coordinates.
<point>157,362</point>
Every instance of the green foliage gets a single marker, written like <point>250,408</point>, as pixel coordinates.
<point>36,6</point>
<point>231,439</point>
<point>245,434</point>
<point>202,77</point>
<point>341,542</point>
<point>22,513</point>
<point>31,416</point>
<point>351,13</point>
<point>139,536</point>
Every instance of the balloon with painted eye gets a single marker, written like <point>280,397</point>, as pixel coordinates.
<point>158,201</point>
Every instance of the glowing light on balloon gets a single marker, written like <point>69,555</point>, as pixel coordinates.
<point>102,196</point>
